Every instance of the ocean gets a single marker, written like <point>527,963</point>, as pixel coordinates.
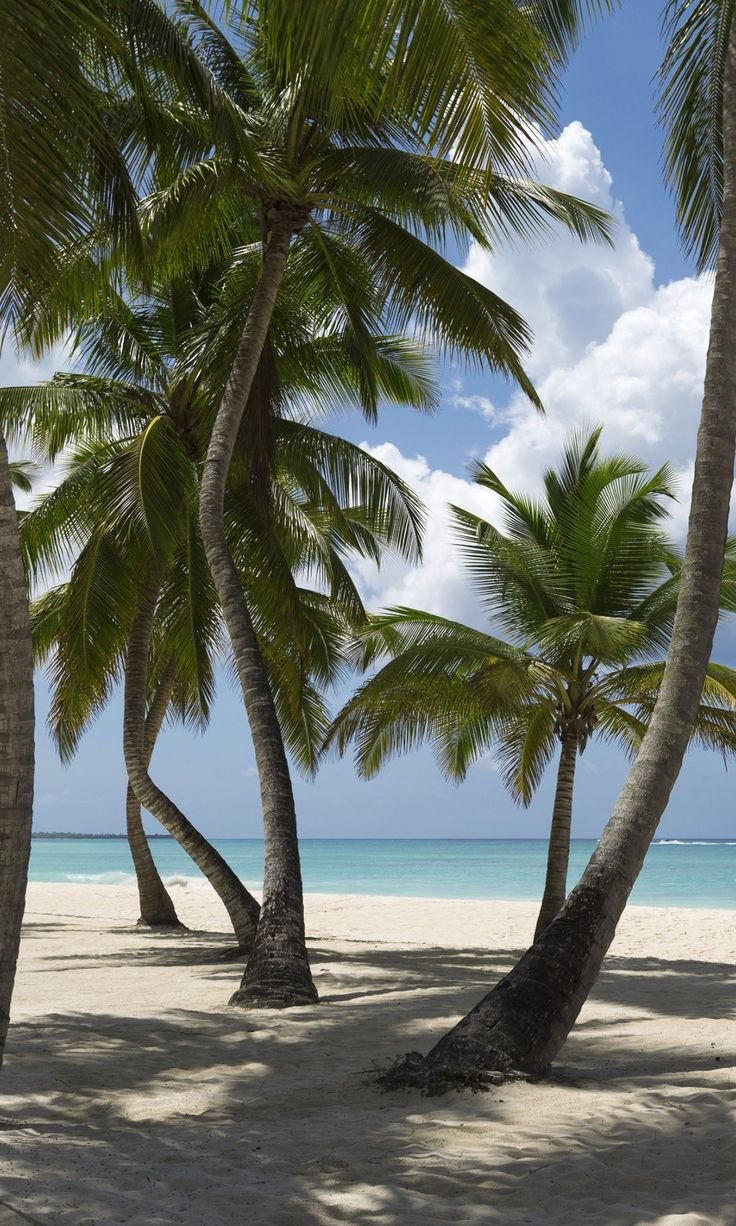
<point>677,872</point>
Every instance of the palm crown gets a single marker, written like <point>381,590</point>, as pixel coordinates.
<point>128,504</point>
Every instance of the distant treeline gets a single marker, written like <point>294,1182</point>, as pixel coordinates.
<point>72,834</point>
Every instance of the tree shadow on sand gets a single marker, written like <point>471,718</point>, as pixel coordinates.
<point>207,1118</point>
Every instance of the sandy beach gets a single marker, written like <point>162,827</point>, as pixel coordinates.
<point>131,1094</point>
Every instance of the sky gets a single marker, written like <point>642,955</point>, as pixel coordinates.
<point>620,340</point>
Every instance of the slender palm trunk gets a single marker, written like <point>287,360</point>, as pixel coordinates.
<point>558,852</point>
<point>16,744</point>
<point>157,907</point>
<point>278,971</point>
<point>524,1021</point>
<point>239,903</point>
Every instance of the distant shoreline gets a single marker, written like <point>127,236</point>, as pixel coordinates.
<point>661,842</point>
<point>70,834</point>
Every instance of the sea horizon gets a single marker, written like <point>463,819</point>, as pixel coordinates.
<point>376,838</point>
<point>678,872</point>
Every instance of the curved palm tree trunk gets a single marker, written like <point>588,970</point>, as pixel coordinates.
<point>240,904</point>
<point>16,744</point>
<point>277,973</point>
<point>524,1021</point>
<point>558,852</point>
<point>157,907</point>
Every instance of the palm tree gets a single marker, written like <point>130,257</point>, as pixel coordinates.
<point>41,85</point>
<point>146,479</point>
<point>523,1022</point>
<point>585,584</point>
<point>62,175</point>
<point>362,191</point>
<point>56,128</point>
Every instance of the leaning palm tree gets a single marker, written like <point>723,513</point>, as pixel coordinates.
<point>61,173</point>
<point>57,116</point>
<point>147,479</point>
<point>584,584</point>
<point>362,191</point>
<point>523,1022</point>
<point>64,67</point>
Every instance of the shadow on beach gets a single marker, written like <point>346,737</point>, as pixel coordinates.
<point>207,1117</point>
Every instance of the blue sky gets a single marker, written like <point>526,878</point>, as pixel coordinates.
<point>620,339</point>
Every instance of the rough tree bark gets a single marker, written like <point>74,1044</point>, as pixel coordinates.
<point>524,1021</point>
<point>16,744</point>
<point>157,907</point>
<point>558,851</point>
<point>241,906</point>
<point>277,974</point>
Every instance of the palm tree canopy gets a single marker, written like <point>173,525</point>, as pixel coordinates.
<point>131,432</point>
<point>691,109</point>
<point>584,585</point>
<point>377,195</point>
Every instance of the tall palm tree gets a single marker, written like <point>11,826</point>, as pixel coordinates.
<point>585,584</point>
<point>44,159</point>
<point>55,128</point>
<point>362,190</point>
<point>324,496</point>
<point>523,1022</point>
<point>62,174</point>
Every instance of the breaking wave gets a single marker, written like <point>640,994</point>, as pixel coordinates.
<point>695,843</point>
<point>110,878</point>
<point>182,879</point>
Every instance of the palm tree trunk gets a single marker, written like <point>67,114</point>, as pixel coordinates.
<point>241,906</point>
<point>157,907</point>
<point>278,971</point>
<point>558,852</point>
<point>16,744</point>
<point>524,1021</point>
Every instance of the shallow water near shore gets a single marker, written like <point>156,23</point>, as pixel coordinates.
<point>677,873</point>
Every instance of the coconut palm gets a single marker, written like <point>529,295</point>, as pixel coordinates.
<point>362,192</point>
<point>58,117</point>
<point>147,477</point>
<point>40,78</point>
<point>523,1022</point>
<point>585,585</point>
<point>63,173</point>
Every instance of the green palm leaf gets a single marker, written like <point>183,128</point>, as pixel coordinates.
<point>691,108</point>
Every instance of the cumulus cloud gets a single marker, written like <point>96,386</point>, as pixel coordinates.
<point>570,293</point>
<point>440,584</point>
<point>19,370</point>
<point>643,383</point>
<point>611,347</point>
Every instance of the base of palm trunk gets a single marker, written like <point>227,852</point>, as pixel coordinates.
<point>272,981</point>
<point>417,1072</point>
<point>157,911</point>
<point>277,975</point>
<point>270,997</point>
<point>518,1028</point>
<point>275,984</point>
<point>492,1044</point>
<point>163,921</point>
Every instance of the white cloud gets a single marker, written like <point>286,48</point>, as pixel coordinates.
<point>18,370</point>
<point>643,383</point>
<point>440,584</point>
<point>611,348</point>
<point>476,404</point>
<point>570,293</point>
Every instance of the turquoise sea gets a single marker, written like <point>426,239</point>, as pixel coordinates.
<point>678,873</point>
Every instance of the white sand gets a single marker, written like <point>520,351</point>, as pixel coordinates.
<point>134,1096</point>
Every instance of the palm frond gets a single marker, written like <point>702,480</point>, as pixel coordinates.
<point>691,110</point>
